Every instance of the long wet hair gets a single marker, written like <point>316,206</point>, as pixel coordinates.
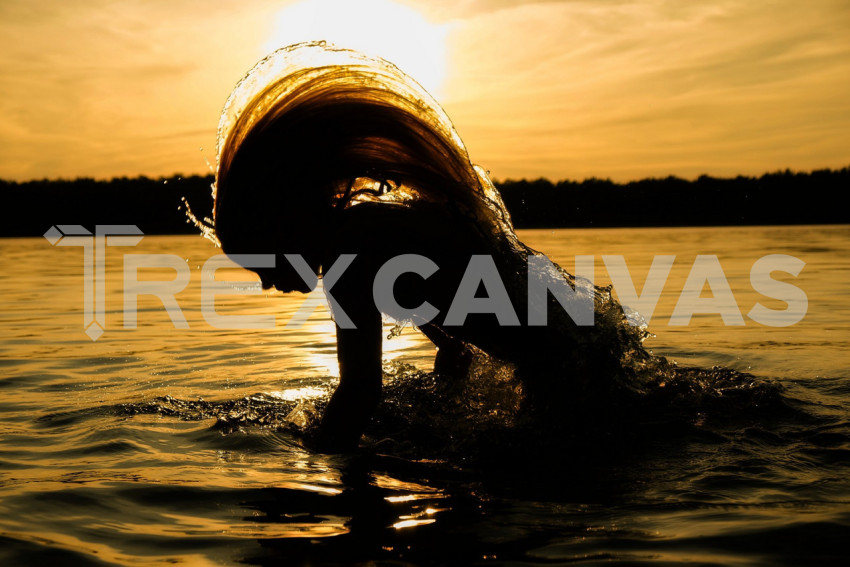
<point>309,120</point>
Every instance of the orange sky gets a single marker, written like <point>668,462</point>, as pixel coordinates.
<point>563,89</point>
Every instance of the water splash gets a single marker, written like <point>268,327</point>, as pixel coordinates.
<point>485,417</point>
<point>205,225</point>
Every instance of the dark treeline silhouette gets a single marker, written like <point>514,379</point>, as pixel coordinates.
<point>774,198</point>
<point>154,205</point>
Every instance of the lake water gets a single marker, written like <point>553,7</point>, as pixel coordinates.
<point>158,444</point>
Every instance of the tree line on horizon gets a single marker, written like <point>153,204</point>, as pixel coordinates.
<point>155,205</point>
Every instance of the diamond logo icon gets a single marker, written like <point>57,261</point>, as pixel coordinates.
<point>94,331</point>
<point>53,235</point>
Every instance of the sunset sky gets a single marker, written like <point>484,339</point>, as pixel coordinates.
<point>562,89</point>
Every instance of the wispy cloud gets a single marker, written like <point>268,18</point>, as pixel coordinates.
<point>87,85</point>
<point>649,88</point>
<point>558,88</point>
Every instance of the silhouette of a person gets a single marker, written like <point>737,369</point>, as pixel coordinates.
<point>327,154</point>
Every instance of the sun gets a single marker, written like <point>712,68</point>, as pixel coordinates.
<point>380,28</point>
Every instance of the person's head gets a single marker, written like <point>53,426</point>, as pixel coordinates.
<point>272,200</point>
<point>311,118</point>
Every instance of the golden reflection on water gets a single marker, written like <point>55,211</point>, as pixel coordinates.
<point>416,490</point>
<point>45,298</point>
<point>62,433</point>
<point>106,553</point>
<point>809,348</point>
<point>180,525</point>
<point>407,522</point>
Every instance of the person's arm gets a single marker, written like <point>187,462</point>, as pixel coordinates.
<point>454,357</point>
<point>360,375</point>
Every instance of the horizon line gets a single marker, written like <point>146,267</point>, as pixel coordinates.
<point>179,176</point>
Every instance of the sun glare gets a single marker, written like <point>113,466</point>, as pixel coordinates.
<point>380,28</point>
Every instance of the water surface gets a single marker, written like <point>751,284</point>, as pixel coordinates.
<point>159,445</point>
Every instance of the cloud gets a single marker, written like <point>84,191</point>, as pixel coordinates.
<point>86,85</point>
<point>558,88</point>
<point>646,88</point>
